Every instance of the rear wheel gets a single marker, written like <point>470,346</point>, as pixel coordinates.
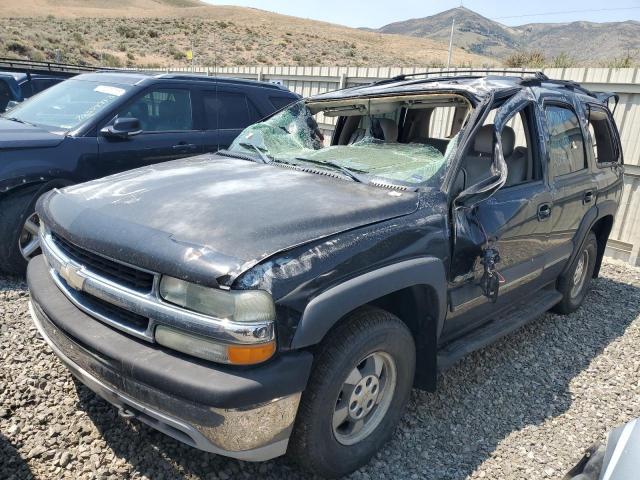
<point>356,395</point>
<point>574,285</point>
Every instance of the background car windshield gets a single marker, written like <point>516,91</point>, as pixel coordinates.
<point>65,106</point>
<point>367,139</point>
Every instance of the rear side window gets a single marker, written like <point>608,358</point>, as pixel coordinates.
<point>441,122</point>
<point>229,110</point>
<point>40,84</point>
<point>566,144</point>
<point>163,110</point>
<point>602,139</point>
<point>280,102</point>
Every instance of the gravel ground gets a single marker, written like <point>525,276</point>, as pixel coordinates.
<point>524,408</point>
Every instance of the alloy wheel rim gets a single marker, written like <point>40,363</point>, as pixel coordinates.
<point>364,398</point>
<point>29,240</point>
<point>580,274</point>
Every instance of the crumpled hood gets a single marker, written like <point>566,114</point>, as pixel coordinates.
<point>212,217</point>
<point>18,135</point>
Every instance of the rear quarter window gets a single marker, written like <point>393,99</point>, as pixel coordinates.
<point>603,140</point>
<point>280,101</point>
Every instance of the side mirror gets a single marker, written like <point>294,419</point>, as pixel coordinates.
<point>477,193</point>
<point>12,104</point>
<point>484,189</point>
<point>122,128</point>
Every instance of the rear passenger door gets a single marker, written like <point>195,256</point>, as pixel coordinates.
<point>573,188</point>
<point>169,130</point>
<point>227,110</point>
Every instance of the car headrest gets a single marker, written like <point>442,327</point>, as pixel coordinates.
<point>389,129</point>
<point>484,140</point>
<point>508,141</point>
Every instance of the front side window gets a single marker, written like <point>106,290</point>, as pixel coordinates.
<point>566,143</point>
<point>162,110</point>
<point>67,105</point>
<point>383,138</point>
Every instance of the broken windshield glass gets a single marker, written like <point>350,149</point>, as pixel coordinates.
<point>396,140</point>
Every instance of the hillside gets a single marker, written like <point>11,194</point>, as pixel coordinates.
<point>157,33</point>
<point>583,42</point>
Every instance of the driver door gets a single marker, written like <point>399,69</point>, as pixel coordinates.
<point>168,132</point>
<point>514,220</point>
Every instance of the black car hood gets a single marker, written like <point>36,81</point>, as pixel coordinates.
<point>19,135</point>
<point>210,218</point>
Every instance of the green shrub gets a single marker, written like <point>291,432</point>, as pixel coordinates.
<point>563,60</point>
<point>19,48</point>
<point>525,59</point>
<point>111,61</point>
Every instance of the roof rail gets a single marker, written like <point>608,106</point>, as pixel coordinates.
<point>204,76</point>
<point>469,73</point>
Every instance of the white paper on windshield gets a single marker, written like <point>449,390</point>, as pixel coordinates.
<point>109,90</point>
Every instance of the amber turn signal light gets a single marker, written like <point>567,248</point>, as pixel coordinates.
<point>250,354</point>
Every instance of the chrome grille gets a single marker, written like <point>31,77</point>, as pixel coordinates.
<point>120,273</point>
<point>103,288</point>
<point>120,315</point>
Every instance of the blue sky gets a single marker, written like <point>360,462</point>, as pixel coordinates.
<point>375,13</point>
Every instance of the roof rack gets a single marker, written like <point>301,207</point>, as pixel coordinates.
<point>467,73</point>
<point>570,84</point>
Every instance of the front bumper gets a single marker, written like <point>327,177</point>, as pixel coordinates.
<point>244,414</point>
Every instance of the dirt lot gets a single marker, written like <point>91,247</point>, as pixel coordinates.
<point>523,408</point>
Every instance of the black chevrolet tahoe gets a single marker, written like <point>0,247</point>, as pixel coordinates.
<point>286,294</point>
<point>102,123</point>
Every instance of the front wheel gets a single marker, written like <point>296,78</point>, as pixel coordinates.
<point>574,285</point>
<point>356,395</point>
<point>19,241</point>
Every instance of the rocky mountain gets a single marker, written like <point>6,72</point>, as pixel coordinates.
<point>584,42</point>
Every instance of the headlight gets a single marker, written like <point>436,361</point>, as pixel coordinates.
<point>208,349</point>
<point>237,306</point>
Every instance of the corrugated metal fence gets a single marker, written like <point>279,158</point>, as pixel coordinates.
<point>625,238</point>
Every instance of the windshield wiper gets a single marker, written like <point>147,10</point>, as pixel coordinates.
<point>263,156</point>
<point>344,170</point>
<point>14,119</point>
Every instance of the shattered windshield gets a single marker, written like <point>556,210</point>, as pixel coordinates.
<point>406,140</point>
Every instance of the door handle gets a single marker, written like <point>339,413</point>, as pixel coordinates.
<point>185,146</point>
<point>544,212</point>
<point>588,197</point>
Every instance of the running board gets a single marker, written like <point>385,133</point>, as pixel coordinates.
<point>509,321</point>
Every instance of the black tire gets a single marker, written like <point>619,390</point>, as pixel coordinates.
<point>572,299</point>
<point>15,208</point>
<point>366,333</point>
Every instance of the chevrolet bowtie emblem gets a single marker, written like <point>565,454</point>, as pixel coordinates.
<point>72,277</point>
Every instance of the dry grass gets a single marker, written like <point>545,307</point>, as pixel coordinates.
<point>159,32</point>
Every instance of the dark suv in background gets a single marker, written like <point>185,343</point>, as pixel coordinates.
<point>97,124</point>
<point>285,295</point>
<point>16,86</point>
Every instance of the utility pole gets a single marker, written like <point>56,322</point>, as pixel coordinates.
<point>453,23</point>
<point>193,57</point>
